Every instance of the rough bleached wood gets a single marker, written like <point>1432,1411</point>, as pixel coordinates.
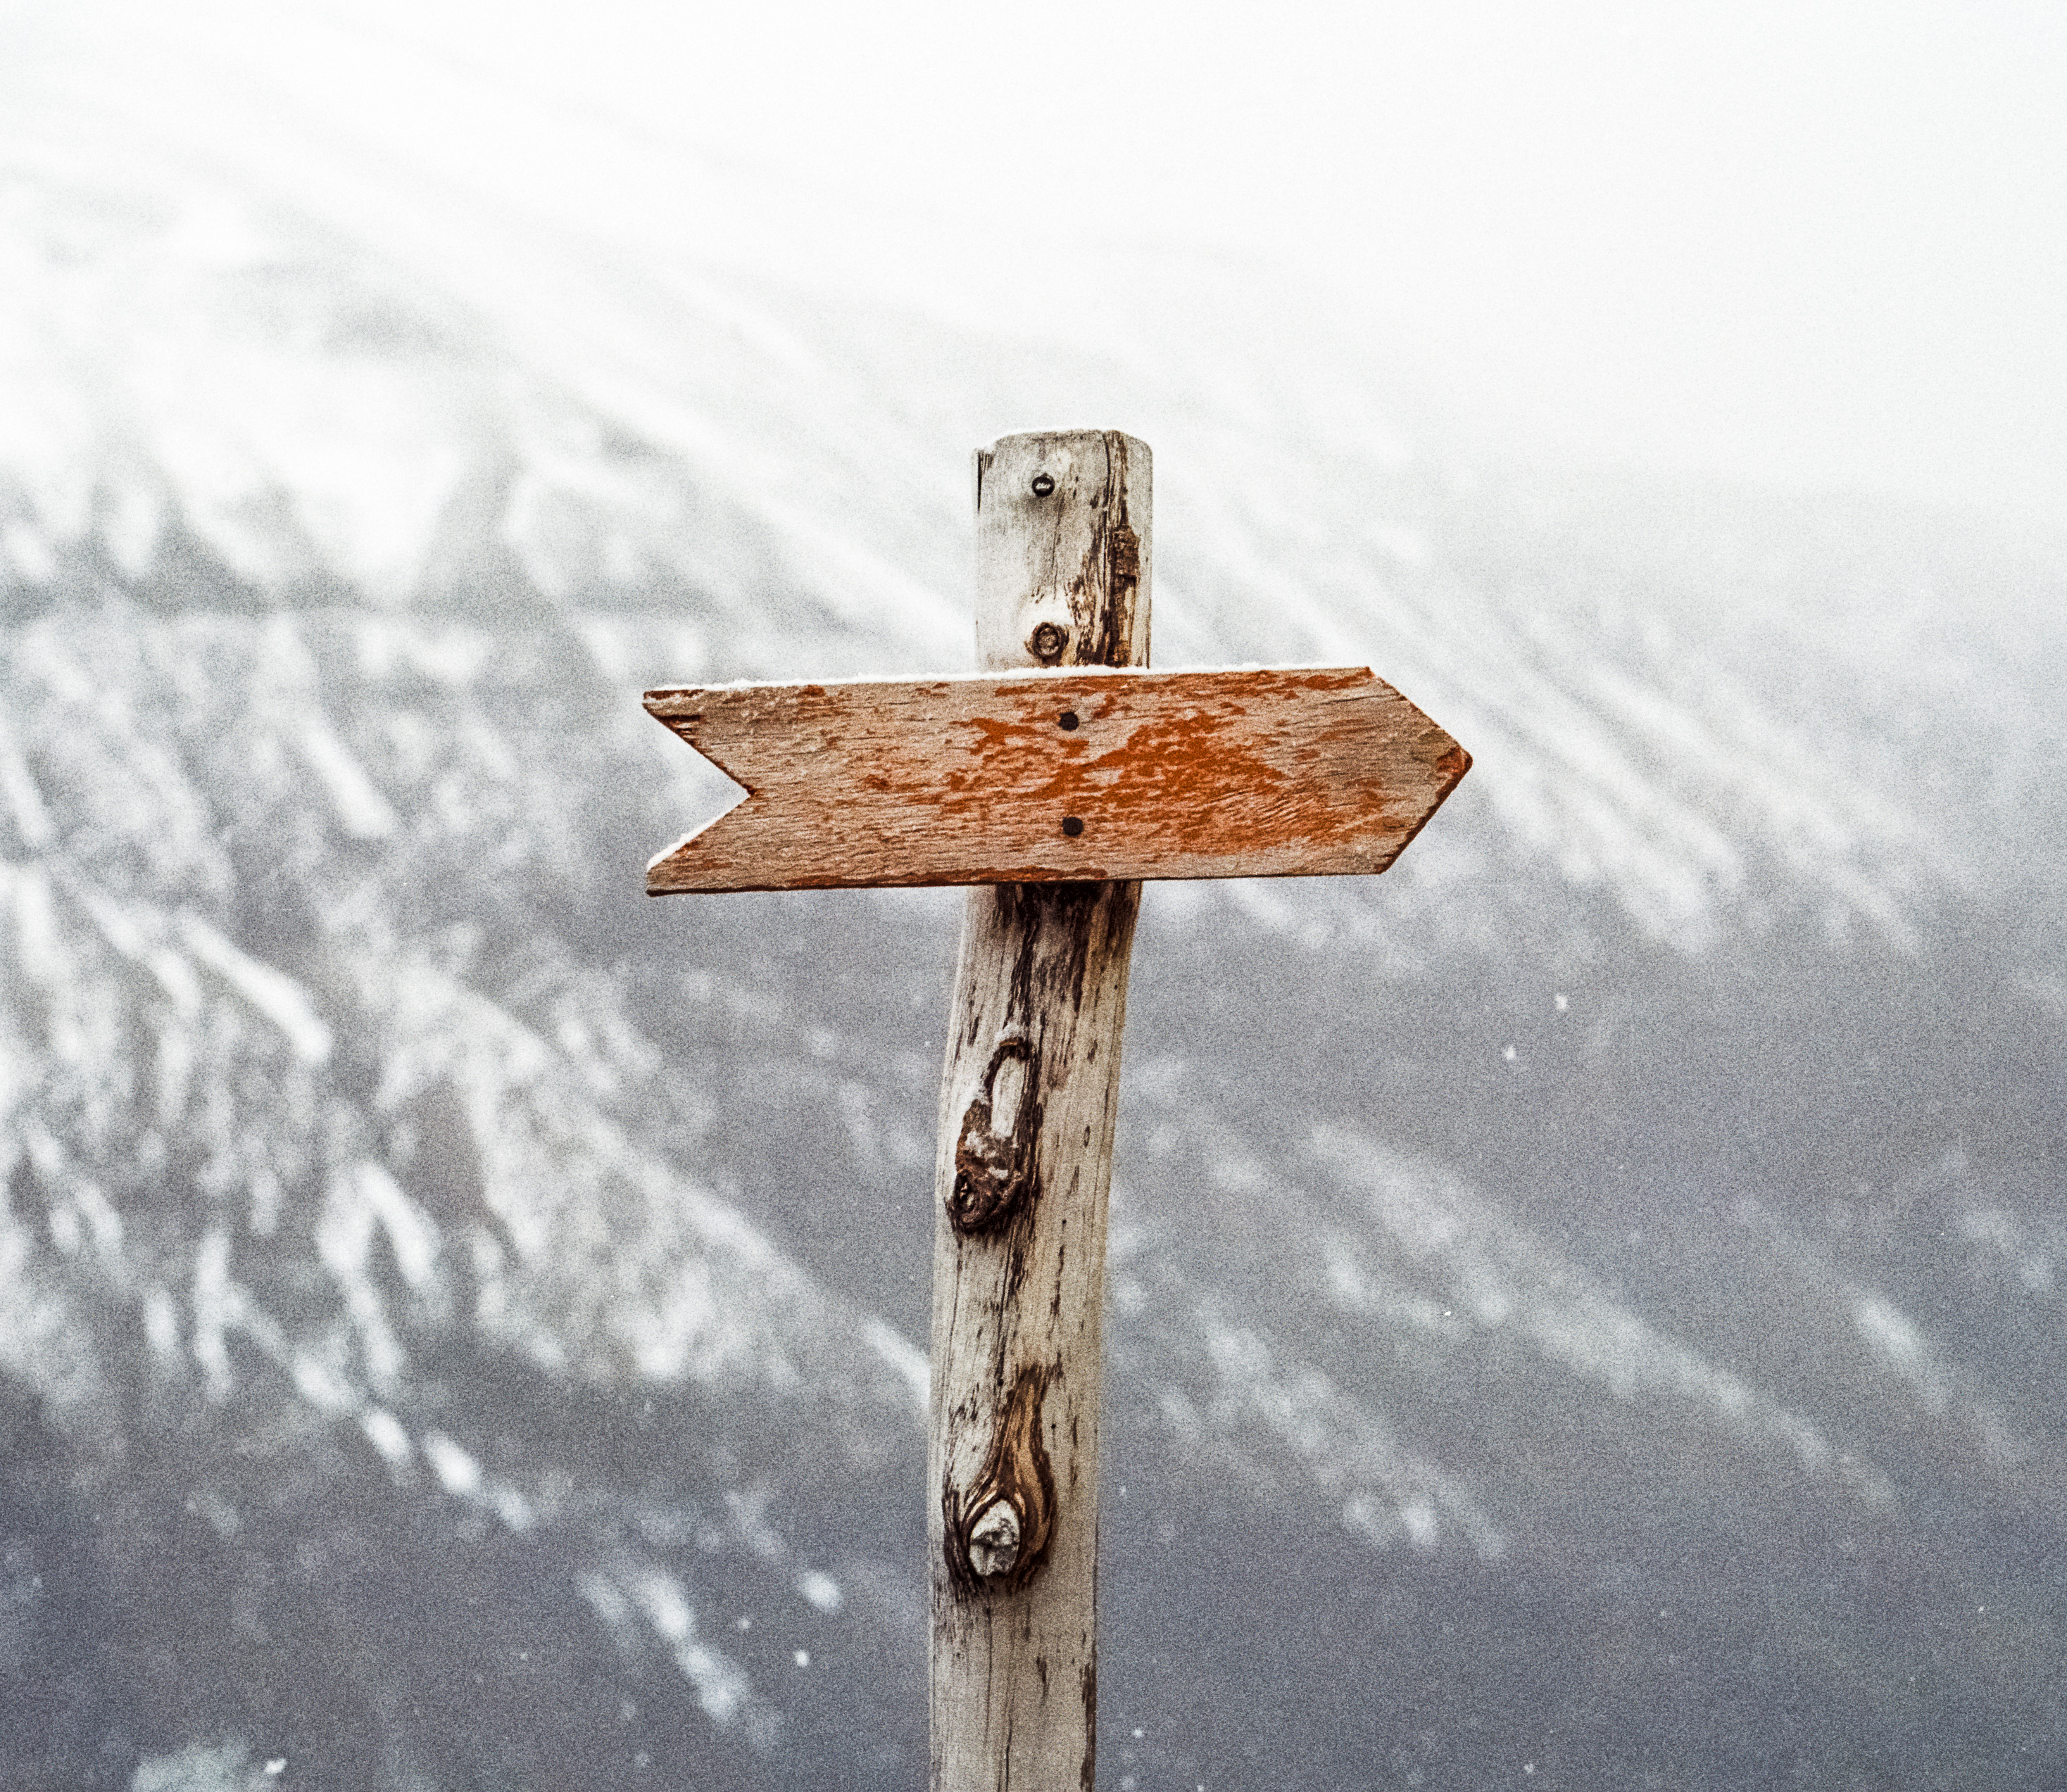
<point>1057,777</point>
<point>1029,1097</point>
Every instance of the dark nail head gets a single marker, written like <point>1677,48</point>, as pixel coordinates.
<point>1069,719</point>
<point>1042,485</point>
<point>1073,826</point>
<point>1047,642</point>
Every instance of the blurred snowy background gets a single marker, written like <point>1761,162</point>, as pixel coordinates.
<point>1587,1307</point>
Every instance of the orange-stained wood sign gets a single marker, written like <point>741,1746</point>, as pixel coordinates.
<point>1038,777</point>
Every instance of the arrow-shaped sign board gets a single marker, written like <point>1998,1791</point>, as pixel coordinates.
<point>1049,777</point>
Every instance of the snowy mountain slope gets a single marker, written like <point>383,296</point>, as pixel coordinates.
<point>169,401</point>
<point>1624,1239</point>
<point>319,1181</point>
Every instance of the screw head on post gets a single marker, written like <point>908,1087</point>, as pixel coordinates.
<point>1047,642</point>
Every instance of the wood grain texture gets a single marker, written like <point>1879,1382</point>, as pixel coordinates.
<point>1058,777</point>
<point>1029,1097</point>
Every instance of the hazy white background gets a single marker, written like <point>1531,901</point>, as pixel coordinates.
<point>1818,245</point>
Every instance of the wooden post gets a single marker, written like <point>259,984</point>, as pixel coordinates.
<point>1024,786</point>
<point>1029,1097</point>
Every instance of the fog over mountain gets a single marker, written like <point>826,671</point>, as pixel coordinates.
<point>1587,1307</point>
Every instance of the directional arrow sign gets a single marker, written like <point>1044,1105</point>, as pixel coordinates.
<point>1045,777</point>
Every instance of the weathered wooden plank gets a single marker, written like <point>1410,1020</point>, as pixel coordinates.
<point>1056,777</point>
<point>1029,1097</point>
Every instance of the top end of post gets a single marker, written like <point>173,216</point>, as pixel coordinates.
<point>1062,553</point>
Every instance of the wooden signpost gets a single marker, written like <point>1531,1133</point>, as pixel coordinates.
<point>1053,782</point>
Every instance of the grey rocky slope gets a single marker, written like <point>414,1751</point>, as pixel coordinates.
<point>1586,1305</point>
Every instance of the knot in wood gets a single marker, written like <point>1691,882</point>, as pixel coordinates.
<point>1122,549</point>
<point>994,1539</point>
<point>995,1167</point>
<point>1047,642</point>
<point>997,1533</point>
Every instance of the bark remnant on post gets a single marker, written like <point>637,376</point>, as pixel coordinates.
<point>1030,1094</point>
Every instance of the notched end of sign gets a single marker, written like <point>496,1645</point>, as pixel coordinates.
<point>674,869</point>
<point>701,783</point>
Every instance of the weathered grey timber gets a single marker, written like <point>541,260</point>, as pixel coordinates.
<point>1029,1097</point>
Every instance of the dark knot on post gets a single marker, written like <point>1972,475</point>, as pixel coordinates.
<point>995,1167</point>
<point>997,1533</point>
<point>1047,642</point>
